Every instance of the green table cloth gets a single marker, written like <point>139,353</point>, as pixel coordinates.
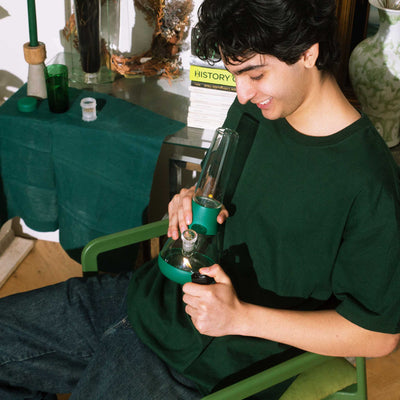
<point>86,179</point>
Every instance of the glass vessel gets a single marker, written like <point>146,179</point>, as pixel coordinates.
<point>210,189</point>
<point>88,27</point>
<point>181,260</point>
<point>374,71</point>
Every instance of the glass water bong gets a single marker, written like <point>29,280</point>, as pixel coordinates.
<point>180,260</point>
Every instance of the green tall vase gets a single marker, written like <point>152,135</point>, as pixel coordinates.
<point>374,70</point>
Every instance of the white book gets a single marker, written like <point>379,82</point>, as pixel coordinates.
<point>211,93</point>
<point>205,108</point>
<point>211,101</point>
<point>199,120</point>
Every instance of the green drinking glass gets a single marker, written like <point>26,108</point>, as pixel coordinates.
<point>57,87</point>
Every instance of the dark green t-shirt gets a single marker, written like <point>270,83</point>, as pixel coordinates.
<point>314,224</point>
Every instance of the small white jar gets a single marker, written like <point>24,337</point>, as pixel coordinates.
<point>88,105</point>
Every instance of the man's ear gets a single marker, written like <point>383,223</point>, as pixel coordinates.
<point>310,56</point>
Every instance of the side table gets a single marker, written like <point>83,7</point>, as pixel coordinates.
<point>85,179</point>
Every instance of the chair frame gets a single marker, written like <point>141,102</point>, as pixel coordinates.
<point>246,387</point>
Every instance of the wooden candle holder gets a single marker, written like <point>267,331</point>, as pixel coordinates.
<point>35,57</point>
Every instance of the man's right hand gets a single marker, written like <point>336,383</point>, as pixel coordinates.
<point>180,212</point>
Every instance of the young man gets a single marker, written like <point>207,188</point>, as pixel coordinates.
<point>311,248</point>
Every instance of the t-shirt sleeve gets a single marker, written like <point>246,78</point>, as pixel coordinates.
<point>366,276</point>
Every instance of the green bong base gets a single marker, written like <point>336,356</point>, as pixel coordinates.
<point>204,222</point>
<point>173,273</point>
<point>174,265</point>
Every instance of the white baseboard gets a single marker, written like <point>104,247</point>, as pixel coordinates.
<point>50,236</point>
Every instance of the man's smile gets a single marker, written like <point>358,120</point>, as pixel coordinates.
<point>264,103</point>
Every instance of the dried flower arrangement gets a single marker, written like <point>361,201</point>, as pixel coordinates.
<point>171,19</point>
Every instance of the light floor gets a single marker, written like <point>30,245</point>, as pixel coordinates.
<point>48,263</point>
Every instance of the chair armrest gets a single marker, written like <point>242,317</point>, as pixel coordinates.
<point>119,239</point>
<point>270,377</point>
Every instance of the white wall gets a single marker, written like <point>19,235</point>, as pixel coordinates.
<point>14,32</point>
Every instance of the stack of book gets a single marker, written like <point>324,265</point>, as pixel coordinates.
<point>211,93</point>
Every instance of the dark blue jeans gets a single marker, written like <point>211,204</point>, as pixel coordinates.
<point>75,337</point>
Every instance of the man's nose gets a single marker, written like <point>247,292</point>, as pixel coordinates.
<point>244,90</point>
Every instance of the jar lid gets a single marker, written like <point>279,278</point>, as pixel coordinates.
<point>27,104</point>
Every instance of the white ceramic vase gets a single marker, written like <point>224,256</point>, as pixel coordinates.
<point>374,70</point>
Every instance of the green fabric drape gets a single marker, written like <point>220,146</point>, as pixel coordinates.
<point>86,179</point>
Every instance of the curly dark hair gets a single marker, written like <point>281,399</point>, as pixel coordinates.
<point>237,29</point>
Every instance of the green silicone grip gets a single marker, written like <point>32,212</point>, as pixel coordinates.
<point>204,219</point>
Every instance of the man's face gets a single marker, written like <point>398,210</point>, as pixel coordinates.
<point>278,89</point>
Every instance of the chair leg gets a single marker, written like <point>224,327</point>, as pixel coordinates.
<point>357,391</point>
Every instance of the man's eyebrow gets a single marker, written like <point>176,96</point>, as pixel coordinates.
<point>246,69</point>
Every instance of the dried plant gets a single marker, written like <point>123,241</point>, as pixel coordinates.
<point>150,8</point>
<point>171,19</point>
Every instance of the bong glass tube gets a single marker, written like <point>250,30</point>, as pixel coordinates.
<point>210,189</point>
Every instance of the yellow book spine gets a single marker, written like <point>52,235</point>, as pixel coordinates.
<point>214,76</point>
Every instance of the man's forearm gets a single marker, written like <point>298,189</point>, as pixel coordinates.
<point>324,332</point>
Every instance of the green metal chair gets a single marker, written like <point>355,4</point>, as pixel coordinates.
<point>317,377</point>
